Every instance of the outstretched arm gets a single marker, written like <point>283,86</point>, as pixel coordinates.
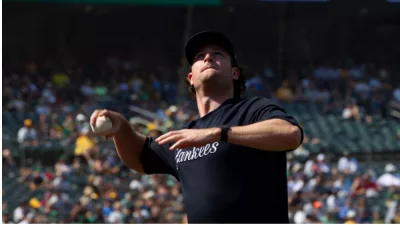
<point>129,145</point>
<point>273,135</point>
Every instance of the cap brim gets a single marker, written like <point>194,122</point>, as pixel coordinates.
<point>199,40</point>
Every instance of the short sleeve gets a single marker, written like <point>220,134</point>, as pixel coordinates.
<point>265,109</point>
<point>158,159</point>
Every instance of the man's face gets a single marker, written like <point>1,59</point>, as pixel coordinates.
<point>212,64</point>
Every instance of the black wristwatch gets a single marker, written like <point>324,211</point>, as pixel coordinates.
<point>224,133</point>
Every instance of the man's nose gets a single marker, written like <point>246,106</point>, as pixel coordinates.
<point>208,57</point>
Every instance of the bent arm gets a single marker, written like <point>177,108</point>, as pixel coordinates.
<point>129,145</point>
<point>273,135</point>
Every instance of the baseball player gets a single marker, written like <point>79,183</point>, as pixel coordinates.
<point>231,162</point>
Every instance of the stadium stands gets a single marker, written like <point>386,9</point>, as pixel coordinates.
<point>346,169</point>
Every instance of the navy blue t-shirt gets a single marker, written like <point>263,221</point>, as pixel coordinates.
<point>223,182</point>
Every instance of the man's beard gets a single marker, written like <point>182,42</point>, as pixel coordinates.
<point>215,83</point>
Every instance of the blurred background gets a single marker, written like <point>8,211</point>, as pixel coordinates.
<point>333,64</point>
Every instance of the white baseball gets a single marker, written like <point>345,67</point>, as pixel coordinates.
<point>103,125</point>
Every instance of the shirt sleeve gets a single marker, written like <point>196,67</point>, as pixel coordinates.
<point>158,159</point>
<point>265,109</point>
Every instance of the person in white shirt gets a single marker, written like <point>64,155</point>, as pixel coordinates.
<point>321,163</point>
<point>347,165</point>
<point>388,178</point>
<point>116,215</point>
<point>27,134</point>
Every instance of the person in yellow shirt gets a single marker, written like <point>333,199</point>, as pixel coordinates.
<point>60,79</point>
<point>351,215</point>
<point>85,145</point>
<point>284,93</point>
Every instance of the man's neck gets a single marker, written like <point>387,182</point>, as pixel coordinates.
<point>206,104</point>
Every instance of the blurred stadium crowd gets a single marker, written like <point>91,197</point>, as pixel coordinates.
<point>56,171</point>
<point>88,183</point>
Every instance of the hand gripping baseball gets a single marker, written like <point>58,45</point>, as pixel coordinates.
<point>105,122</point>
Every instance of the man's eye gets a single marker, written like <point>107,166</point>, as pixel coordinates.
<point>218,53</point>
<point>200,56</point>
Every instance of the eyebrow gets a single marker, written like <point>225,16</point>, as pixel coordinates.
<point>212,49</point>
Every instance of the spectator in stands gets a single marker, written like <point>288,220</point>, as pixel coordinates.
<point>325,75</point>
<point>6,218</point>
<point>67,128</point>
<point>392,210</point>
<point>396,218</point>
<point>347,165</point>
<point>300,216</point>
<point>44,127</point>
<point>85,146</point>
<point>309,167</point>
<point>86,88</point>
<point>27,135</point>
<point>377,218</point>
<point>68,106</point>
<point>284,93</point>
<point>388,178</point>
<point>60,79</point>
<point>348,207</point>
<point>301,152</point>
<point>8,160</point>
<point>43,108</point>
<point>36,181</point>
<point>313,94</point>
<point>56,131</point>
<point>61,167</point>
<point>322,165</point>
<point>350,217</point>
<point>116,214</point>
<point>49,94</point>
<point>363,185</point>
<point>20,212</point>
<point>351,111</point>
<point>81,122</point>
<point>255,85</point>
<point>15,104</point>
<point>106,209</point>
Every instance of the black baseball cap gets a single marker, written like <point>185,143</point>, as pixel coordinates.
<point>203,38</point>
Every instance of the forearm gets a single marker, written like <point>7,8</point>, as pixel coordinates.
<point>129,145</point>
<point>273,135</point>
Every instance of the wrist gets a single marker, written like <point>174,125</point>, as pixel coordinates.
<point>125,127</point>
<point>216,133</point>
<point>225,133</point>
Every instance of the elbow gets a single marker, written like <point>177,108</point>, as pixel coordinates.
<point>294,137</point>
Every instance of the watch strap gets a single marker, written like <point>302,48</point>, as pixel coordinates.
<point>224,133</point>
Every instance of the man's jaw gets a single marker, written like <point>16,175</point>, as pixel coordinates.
<point>208,67</point>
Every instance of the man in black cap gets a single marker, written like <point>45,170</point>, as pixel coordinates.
<point>231,162</point>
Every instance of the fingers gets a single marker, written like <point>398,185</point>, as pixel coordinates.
<point>162,137</point>
<point>181,139</point>
<point>94,116</point>
<point>101,112</point>
<point>113,116</point>
<point>169,137</point>
<point>179,144</point>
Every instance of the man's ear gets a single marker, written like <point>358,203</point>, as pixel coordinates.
<point>235,73</point>
<point>189,78</point>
